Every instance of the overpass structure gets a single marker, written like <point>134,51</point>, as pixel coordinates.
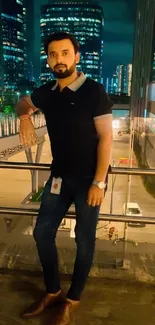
<point>121,107</point>
<point>9,134</point>
<point>9,131</point>
<point>10,144</point>
<point>9,137</point>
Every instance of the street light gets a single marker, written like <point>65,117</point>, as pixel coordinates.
<point>18,94</point>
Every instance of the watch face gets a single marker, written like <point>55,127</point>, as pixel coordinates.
<point>101,185</point>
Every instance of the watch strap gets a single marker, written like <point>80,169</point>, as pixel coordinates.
<point>97,183</point>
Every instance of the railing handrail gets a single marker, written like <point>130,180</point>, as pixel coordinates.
<point>43,167</point>
<point>71,215</point>
<point>9,125</point>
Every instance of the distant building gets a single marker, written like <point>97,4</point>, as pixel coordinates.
<point>143,89</point>
<point>85,21</point>
<point>30,71</point>
<point>120,83</point>
<point>107,85</point>
<point>13,42</point>
<point>152,75</point>
<point>129,79</point>
<point>31,41</point>
<point>1,53</point>
<point>123,78</point>
<point>113,85</point>
<point>143,83</point>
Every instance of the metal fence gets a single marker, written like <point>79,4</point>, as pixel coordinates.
<point>109,217</point>
<point>70,215</point>
<point>9,125</point>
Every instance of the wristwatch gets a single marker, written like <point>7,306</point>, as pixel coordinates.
<point>100,185</point>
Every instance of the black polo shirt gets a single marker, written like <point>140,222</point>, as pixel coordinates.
<point>70,123</point>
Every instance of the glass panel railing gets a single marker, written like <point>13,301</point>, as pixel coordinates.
<point>12,151</point>
<point>9,123</point>
<point>18,249</point>
<point>22,188</point>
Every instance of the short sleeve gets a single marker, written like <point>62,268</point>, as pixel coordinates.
<point>38,98</point>
<point>103,104</point>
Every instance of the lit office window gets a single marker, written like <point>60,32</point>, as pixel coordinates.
<point>13,57</point>
<point>10,48</point>
<point>43,57</point>
<point>19,37</point>
<point>20,2</point>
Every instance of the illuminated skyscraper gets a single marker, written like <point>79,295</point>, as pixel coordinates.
<point>113,85</point>
<point>129,79</point>
<point>123,79</point>
<point>107,86</point>
<point>30,37</point>
<point>85,21</point>
<point>1,53</point>
<point>13,41</point>
<point>119,77</point>
<point>120,83</point>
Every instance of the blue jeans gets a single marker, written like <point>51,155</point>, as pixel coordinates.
<point>52,211</point>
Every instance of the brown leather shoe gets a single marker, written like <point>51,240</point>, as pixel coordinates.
<point>38,306</point>
<point>64,315</point>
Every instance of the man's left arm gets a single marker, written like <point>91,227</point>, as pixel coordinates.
<point>104,130</point>
<point>103,124</point>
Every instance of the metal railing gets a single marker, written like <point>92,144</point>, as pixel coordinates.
<point>9,125</point>
<point>71,215</point>
<point>43,167</point>
<point>102,217</point>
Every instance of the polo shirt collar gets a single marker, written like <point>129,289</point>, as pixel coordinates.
<point>74,86</point>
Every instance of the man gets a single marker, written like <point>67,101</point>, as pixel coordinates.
<point>79,123</point>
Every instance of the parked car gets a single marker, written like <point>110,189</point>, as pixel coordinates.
<point>133,210</point>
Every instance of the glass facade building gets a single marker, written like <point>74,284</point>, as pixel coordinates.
<point>143,85</point>
<point>143,60</point>
<point>13,42</point>
<point>1,52</point>
<point>111,85</point>
<point>153,56</point>
<point>123,78</point>
<point>120,83</point>
<point>30,37</point>
<point>85,21</point>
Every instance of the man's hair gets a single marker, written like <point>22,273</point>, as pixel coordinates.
<point>58,36</point>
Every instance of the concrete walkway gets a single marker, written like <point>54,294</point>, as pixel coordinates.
<point>104,302</point>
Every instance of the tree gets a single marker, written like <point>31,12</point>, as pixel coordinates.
<point>8,102</point>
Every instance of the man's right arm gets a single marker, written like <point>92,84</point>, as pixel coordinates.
<point>25,106</point>
<point>24,109</point>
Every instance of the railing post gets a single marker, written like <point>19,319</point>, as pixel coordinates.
<point>131,145</point>
<point>0,129</point>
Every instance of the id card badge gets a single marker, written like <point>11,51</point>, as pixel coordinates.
<point>56,185</point>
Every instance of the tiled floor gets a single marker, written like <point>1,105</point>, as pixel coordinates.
<point>104,302</point>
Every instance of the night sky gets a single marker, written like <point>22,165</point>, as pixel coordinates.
<point>118,36</point>
<point>118,32</point>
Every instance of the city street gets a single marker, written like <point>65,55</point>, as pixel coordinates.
<point>138,194</point>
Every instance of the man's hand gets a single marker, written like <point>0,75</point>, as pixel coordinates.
<point>27,133</point>
<point>95,196</point>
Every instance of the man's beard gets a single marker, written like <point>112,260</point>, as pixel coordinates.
<point>60,74</point>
